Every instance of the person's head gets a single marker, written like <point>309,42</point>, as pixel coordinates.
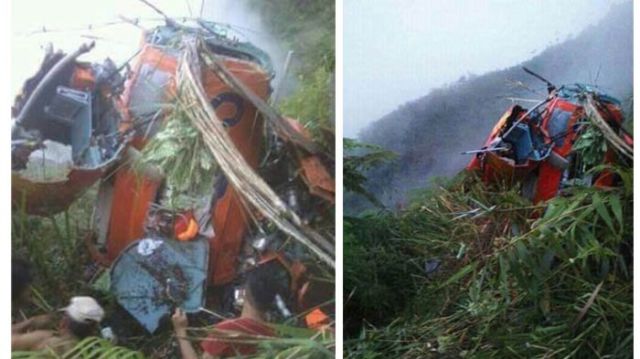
<point>263,284</point>
<point>82,317</point>
<point>21,279</point>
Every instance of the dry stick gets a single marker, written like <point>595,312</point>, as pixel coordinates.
<point>587,305</point>
<point>607,131</point>
<point>134,21</point>
<point>258,197</point>
<point>169,20</point>
<point>238,172</point>
<point>189,7</point>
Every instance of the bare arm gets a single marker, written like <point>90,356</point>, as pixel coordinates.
<point>180,324</point>
<point>37,322</point>
<point>29,341</point>
<point>186,348</point>
<point>21,327</point>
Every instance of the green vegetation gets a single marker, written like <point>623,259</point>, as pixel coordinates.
<point>54,246</point>
<point>88,348</point>
<point>292,343</point>
<point>179,150</point>
<point>307,27</point>
<point>592,145</point>
<point>62,269</point>
<point>358,159</point>
<point>471,271</point>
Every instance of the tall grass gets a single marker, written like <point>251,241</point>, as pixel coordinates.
<point>89,348</point>
<point>58,255</point>
<point>54,246</point>
<point>293,343</point>
<point>513,280</point>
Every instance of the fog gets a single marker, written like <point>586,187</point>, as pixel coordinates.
<point>68,23</point>
<point>430,131</point>
<point>397,51</point>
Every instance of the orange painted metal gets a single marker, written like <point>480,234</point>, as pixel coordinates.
<point>317,319</point>
<point>503,169</point>
<point>496,167</point>
<point>229,217</point>
<point>314,173</point>
<point>475,163</point>
<point>548,183</point>
<point>46,198</point>
<point>317,178</point>
<point>132,197</point>
<point>82,78</point>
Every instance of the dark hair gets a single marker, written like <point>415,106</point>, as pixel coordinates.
<point>82,330</point>
<point>21,277</point>
<point>264,283</point>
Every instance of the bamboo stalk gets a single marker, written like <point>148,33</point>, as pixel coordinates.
<point>249,185</point>
<point>611,137</point>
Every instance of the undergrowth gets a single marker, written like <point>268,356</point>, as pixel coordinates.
<point>54,247</point>
<point>89,348</point>
<point>476,271</point>
<point>62,269</point>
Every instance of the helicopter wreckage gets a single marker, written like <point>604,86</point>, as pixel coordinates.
<point>267,185</point>
<point>542,148</point>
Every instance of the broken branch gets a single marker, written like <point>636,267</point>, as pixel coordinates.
<point>248,184</point>
<point>607,131</point>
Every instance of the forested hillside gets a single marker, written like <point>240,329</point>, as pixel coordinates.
<point>307,28</point>
<point>429,133</point>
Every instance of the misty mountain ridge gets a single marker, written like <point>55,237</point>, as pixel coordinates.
<point>429,133</point>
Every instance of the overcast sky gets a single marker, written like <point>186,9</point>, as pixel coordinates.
<point>66,23</point>
<point>398,50</point>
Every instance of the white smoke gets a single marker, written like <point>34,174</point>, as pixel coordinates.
<point>250,25</point>
<point>68,23</point>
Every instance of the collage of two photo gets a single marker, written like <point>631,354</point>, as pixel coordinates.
<point>321,179</point>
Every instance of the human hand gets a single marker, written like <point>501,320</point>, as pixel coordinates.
<point>41,321</point>
<point>180,321</point>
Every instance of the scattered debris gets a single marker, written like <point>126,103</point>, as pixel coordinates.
<point>190,195</point>
<point>67,104</point>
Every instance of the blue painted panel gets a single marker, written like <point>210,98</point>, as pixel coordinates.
<point>154,275</point>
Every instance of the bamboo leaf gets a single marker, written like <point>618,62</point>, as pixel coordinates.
<point>602,211</point>
<point>616,208</point>
<point>460,274</point>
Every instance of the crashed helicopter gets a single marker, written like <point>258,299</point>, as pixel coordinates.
<point>537,147</point>
<point>76,124</point>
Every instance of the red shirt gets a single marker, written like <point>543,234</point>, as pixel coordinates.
<point>217,346</point>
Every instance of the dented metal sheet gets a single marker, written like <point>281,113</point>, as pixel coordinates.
<point>62,120</point>
<point>154,275</point>
<point>46,198</point>
<point>317,178</point>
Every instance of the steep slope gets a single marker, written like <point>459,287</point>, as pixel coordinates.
<point>430,132</point>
